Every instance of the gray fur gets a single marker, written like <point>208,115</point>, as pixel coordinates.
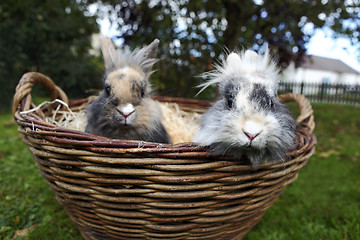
<point>253,103</point>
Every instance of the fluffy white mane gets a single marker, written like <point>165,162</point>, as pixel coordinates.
<point>245,65</point>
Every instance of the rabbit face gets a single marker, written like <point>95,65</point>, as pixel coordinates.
<point>124,108</point>
<point>125,89</point>
<point>247,119</point>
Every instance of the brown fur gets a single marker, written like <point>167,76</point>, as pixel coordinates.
<point>125,84</point>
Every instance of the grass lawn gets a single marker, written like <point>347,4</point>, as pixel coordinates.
<point>323,203</point>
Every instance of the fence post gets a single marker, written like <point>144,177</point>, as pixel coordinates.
<point>302,88</point>
<point>322,92</point>
<point>336,92</point>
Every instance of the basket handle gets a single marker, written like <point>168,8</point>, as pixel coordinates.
<point>306,117</point>
<point>22,94</point>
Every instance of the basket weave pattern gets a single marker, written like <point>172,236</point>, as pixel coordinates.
<point>122,189</point>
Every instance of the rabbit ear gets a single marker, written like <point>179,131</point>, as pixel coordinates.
<point>150,54</point>
<point>151,50</point>
<point>251,56</point>
<point>233,60</point>
<point>109,53</point>
<point>243,62</point>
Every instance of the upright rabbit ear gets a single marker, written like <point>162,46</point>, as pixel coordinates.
<point>151,50</point>
<point>233,60</point>
<point>109,53</point>
<point>149,53</point>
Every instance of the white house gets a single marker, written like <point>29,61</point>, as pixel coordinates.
<point>316,69</point>
<point>320,70</point>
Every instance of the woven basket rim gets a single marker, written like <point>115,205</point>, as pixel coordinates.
<point>22,102</point>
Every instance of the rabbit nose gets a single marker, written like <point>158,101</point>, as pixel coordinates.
<point>251,136</point>
<point>126,114</point>
<point>127,110</point>
<point>251,130</point>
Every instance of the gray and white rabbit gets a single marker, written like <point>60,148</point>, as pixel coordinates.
<point>124,109</point>
<point>247,119</point>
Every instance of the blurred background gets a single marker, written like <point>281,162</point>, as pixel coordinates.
<point>61,39</point>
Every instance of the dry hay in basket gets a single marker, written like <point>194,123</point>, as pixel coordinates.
<point>181,125</point>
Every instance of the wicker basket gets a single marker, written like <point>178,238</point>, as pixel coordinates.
<point>121,189</point>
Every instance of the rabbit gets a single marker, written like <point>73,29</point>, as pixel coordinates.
<point>124,109</point>
<point>247,119</point>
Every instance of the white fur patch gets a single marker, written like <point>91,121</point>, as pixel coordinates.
<point>124,68</point>
<point>252,127</point>
<point>129,108</point>
<point>241,102</point>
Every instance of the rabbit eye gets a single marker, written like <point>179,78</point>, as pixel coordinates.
<point>230,101</point>
<point>272,103</point>
<point>107,90</point>
<point>142,92</point>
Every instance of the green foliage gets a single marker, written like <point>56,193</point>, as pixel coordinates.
<point>323,203</point>
<point>193,34</point>
<point>51,37</point>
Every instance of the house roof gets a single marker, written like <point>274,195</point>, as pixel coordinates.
<point>327,64</point>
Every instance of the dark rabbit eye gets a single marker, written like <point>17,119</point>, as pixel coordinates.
<point>230,101</point>
<point>107,90</point>
<point>142,92</point>
<point>272,104</point>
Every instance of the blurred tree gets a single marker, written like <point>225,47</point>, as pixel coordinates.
<point>193,34</point>
<point>52,37</point>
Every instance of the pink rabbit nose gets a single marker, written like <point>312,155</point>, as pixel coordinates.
<point>127,110</point>
<point>251,136</point>
<point>126,114</point>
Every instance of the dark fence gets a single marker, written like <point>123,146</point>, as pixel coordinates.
<point>324,92</point>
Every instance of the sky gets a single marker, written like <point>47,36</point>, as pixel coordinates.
<point>323,45</point>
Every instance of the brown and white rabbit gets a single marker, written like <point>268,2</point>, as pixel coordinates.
<point>124,109</point>
<point>247,119</point>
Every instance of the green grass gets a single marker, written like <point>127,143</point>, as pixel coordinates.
<point>25,198</point>
<point>323,203</point>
